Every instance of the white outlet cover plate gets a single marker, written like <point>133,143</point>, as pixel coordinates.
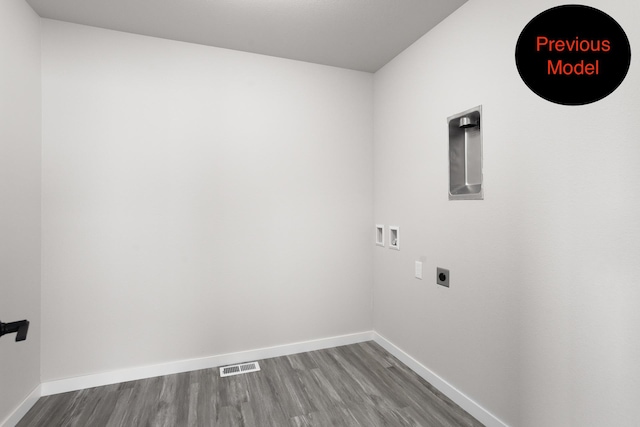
<point>418,270</point>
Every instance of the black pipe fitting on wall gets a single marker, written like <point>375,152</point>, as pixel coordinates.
<point>21,327</point>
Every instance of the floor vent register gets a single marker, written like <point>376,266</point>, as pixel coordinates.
<point>243,368</point>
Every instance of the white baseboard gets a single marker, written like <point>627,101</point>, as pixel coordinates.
<point>465,402</point>
<point>131,374</point>
<point>24,407</point>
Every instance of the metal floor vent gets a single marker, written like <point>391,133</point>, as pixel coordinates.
<point>243,368</point>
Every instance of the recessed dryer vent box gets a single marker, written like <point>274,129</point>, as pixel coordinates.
<point>465,155</point>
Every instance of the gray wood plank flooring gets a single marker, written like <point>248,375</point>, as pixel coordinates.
<point>359,385</point>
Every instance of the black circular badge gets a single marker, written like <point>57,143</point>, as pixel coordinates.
<point>573,55</point>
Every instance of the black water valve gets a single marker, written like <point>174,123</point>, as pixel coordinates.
<point>21,328</point>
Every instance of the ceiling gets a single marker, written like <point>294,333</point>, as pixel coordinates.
<point>356,34</point>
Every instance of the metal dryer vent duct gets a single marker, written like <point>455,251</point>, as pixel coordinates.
<point>465,122</point>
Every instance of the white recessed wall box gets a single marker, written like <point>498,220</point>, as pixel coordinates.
<point>379,234</point>
<point>394,237</point>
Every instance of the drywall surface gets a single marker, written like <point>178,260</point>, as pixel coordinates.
<point>20,145</point>
<point>541,323</point>
<point>198,201</point>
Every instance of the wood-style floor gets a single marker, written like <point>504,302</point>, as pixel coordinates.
<point>354,385</point>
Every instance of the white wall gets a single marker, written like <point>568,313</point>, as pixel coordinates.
<point>197,201</point>
<point>19,200</point>
<point>541,324</point>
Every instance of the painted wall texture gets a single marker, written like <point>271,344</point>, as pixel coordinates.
<point>198,201</point>
<point>540,325</point>
<point>20,166</point>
